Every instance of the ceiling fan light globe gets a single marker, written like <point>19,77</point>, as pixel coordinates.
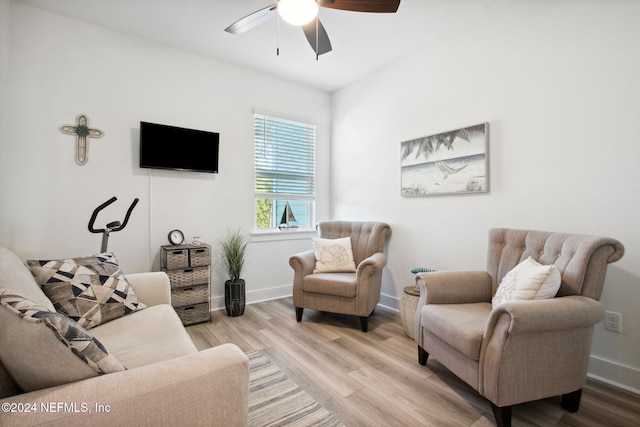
<point>298,12</point>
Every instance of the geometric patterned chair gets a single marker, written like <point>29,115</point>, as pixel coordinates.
<point>520,350</point>
<point>355,293</point>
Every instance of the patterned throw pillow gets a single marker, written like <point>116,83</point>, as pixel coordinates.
<point>84,345</point>
<point>333,255</point>
<point>90,290</point>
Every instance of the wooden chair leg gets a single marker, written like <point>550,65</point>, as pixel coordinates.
<point>364,323</point>
<point>299,311</point>
<point>571,401</point>
<point>422,356</point>
<point>502,415</point>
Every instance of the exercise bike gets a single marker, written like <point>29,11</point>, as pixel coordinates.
<point>112,226</point>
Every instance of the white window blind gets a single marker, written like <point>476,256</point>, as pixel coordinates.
<point>284,158</point>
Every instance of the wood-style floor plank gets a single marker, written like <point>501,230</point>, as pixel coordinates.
<point>374,379</point>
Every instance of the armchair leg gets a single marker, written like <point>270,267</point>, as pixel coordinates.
<point>364,323</point>
<point>571,401</point>
<point>422,356</point>
<point>502,415</point>
<point>299,311</point>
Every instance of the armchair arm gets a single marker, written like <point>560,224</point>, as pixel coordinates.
<point>548,315</point>
<point>152,288</point>
<point>541,342</point>
<point>303,263</point>
<point>371,265</point>
<point>454,287</point>
<point>210,387</point>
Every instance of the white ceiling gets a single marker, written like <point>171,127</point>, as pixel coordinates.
<point>362,42</point>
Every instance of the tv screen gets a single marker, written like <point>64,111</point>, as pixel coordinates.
<point>171,147</point>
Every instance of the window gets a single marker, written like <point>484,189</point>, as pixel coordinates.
<point>285,173</point>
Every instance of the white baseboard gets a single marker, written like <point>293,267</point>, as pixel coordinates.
<point>217,302</point>
<point>390,302</point>
<point>614,373</point>
<point>252,297</point>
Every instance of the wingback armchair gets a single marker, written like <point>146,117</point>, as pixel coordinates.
<point>355,293</point>
<point>517,351</point>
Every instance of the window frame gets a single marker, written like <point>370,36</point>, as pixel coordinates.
<point>301,191</point>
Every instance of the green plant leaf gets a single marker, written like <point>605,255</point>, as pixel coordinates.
<point>234,248</point>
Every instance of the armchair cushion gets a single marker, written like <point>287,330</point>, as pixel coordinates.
<point>459,325</point>
<point>339,284</point>
<point>90,290</point>
<point>528,280</point>
<point>42,348</point>
<point>333,255</point>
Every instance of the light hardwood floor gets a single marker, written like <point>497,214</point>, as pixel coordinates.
<point>374,379</point>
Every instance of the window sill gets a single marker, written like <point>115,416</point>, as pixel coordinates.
<point>298,234</point>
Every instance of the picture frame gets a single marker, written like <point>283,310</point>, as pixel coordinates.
<point>453,162</point>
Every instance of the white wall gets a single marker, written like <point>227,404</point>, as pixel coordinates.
<point>60,68</point>
<point>558,83</point>
<point>4,88</point>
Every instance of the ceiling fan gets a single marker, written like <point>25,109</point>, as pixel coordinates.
<point>304,13</point>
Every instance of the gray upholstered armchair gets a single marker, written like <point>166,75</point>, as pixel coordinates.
<point>517,351</point>
<point>355,293</point>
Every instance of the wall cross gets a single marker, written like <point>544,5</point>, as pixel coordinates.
<point>82,131</point>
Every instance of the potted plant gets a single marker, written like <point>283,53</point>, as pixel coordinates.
<point>233,255</point>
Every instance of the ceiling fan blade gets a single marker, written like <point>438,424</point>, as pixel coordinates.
<point>323,45</point>
<point>375,6</point>
<point>252,20</point>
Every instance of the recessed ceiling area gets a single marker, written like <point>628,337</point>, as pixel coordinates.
<point>362,42</point>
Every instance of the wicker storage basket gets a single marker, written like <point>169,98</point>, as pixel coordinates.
<point>200,256</point>
<point>189,276</point>
<point>189,295</point>
<point>175,258</point>
<point>408,306</point>
<point>196,313</point>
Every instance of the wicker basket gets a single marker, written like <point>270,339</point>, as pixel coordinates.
<point>196,313</point>
<point>408,306</point>
<point>175,258</point>
<point>200,256</point>
<point>188,277</point>
<point>189,295</point>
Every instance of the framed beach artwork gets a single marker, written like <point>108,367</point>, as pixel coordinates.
<point>454,162</point>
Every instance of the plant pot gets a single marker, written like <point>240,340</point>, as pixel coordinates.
<point>234,297</point>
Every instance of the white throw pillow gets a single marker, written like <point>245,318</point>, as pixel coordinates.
<point>333,255</point>
<point>528,280</point>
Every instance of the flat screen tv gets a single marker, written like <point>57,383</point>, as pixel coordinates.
<point>171,147</point>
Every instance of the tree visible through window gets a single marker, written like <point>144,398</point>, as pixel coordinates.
<point>285,173</point>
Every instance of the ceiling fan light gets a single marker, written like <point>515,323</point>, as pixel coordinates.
<point>297,12</point>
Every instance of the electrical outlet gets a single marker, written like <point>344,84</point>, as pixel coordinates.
<point>613,321</point>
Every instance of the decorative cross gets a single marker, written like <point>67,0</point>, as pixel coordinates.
<point>82,131</point>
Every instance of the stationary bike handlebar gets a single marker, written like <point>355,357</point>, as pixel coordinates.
<point>113,226</point>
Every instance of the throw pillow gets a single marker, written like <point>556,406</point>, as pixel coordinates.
<point>90,290</point>
<point>528,280</point>
<point>333,255</point>
<point>31,350</point>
